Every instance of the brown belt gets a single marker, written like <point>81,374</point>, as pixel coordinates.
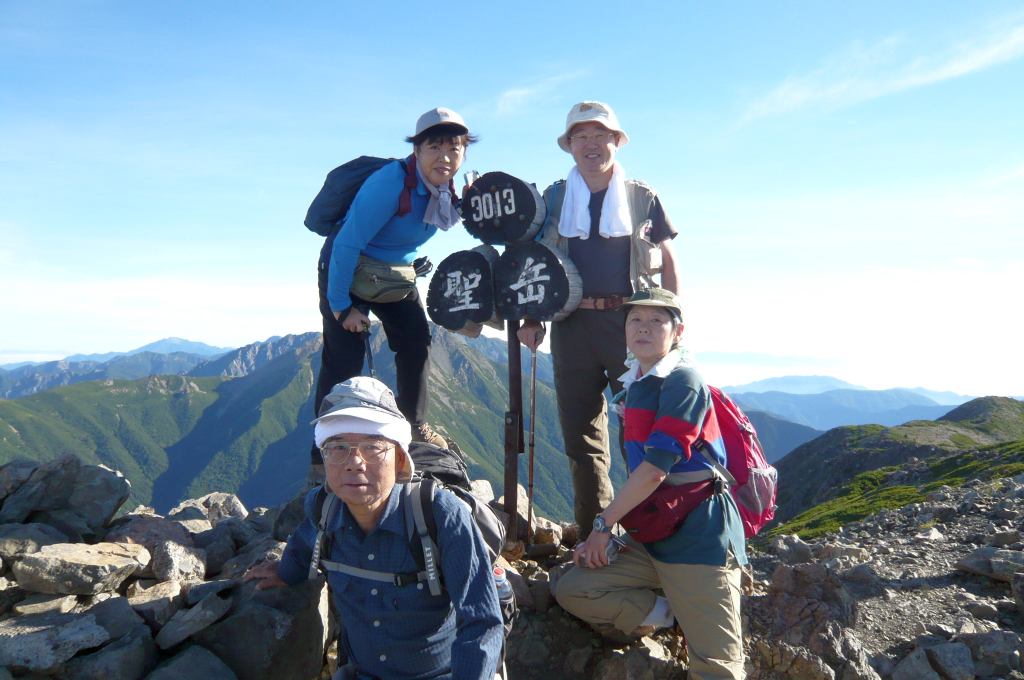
<point>603,304</point>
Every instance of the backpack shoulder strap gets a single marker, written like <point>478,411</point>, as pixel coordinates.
<point>322,507</point>
<point>640,197</point>
<point>411,182</point>
<point>555,209</point>
<point>702,446</point>
<point>420,498</point>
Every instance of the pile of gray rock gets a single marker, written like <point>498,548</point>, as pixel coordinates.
<point>85,596</point>
<point>932,590</point>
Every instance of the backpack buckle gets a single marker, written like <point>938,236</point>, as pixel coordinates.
<point>402,580</point>
<point>721,486</point>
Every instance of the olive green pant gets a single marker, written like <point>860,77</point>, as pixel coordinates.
<point>704,599</point>
<point>589,353</point>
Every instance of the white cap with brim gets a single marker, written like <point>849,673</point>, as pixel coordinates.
<point>367,421</point>
<point>363,405</point>
<point>591,112</point>
<point>437,117</point>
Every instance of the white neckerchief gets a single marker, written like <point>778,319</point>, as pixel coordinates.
<point>440,211</point>
<point>575,217</point>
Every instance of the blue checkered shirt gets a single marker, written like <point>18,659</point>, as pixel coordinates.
<point>405,632</point>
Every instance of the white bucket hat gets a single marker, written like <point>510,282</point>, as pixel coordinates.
<point>586,112</point>
<point>363,405</point>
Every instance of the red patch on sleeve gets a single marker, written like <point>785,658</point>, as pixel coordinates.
<point>639,423</point>
<point>681,430</point>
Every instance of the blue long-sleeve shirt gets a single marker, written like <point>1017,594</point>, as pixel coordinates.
<point>405,632</point>
<point>371,227</point>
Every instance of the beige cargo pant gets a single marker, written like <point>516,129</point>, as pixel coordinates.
<point>704,599</point>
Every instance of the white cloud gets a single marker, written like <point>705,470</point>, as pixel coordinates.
<point>866,73</point>
<point>512,101</point>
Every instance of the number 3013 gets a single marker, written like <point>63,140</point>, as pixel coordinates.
<point>488,206</point>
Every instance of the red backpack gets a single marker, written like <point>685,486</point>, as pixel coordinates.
<point>751,479</point>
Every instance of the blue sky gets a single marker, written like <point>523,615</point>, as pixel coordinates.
<point>848,181</point>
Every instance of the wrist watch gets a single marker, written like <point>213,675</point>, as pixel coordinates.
<point>600,526</point>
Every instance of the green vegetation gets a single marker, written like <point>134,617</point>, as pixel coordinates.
<point>868,492</point>
<point>962,441</point>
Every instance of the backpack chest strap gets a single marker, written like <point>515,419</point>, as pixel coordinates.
<point>400,580</point>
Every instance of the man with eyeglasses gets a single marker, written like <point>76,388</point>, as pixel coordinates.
<point>616,232</point>
<point>390,630</point>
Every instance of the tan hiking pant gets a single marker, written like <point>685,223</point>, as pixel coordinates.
<point>704,599</point>
<point>589,353</point>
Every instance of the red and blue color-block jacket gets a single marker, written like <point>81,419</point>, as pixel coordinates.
<point>665,412</point>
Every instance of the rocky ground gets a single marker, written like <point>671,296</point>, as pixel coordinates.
<point>930,590</point>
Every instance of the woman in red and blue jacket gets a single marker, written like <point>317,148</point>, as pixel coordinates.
<point>668,414</point>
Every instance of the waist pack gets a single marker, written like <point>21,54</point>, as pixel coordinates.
<point>376,281</point>
<point>663,512</point>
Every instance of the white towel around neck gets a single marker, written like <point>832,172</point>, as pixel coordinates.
<point>615,216</point>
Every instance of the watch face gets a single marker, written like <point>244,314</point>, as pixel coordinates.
<point>599,524</point>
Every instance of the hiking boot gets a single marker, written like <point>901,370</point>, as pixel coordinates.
<point>423,433</point>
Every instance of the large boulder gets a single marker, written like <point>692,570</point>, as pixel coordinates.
<point>999,565</point>
<point>47,488</point>
<point>915,667</point>
<point>20,539</point>
<point>98,494</point>
<point>14,474</point>
<point>254,553</point>
<point>77,569</point>
<point>285,630</point>
<point>40,643</point>
<point>188,622</point>
<point>40,603</point>
<point>174,562</point>
<point>952,660</point>
<point>287,517</point>
<point>195,662</point>
<point>223,505</point>
<point>116,616</point>
<point>129,658</point>
<point>991,651</point>
<point>158,604</point>
<point>150,531</point>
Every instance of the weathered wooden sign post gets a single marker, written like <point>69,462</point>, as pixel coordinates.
<point>529,280</point>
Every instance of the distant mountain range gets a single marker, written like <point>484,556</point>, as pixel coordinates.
<point>844,407</point>
<point>818,470</point>
<point>30,379</point>
<point>165,346</point>
<point>246,429</point>
<point>816,384</point>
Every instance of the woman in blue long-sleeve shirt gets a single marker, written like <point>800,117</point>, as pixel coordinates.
<point>397,209</point>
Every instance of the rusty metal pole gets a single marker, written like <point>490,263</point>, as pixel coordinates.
<point>513,431</point>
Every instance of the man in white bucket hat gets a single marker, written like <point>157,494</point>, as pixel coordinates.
<point>392,626</point>
<point>616,232</point>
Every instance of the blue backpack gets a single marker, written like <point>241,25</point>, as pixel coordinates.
<point>330,206</point>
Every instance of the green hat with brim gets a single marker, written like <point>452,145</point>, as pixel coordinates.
<point>657,297</point>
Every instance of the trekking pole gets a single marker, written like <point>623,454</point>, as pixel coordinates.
<point>369,352</point>
<point>533,429</point>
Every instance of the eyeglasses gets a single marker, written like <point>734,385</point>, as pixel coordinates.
<point>371,451</point>
<point>601,138</point>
